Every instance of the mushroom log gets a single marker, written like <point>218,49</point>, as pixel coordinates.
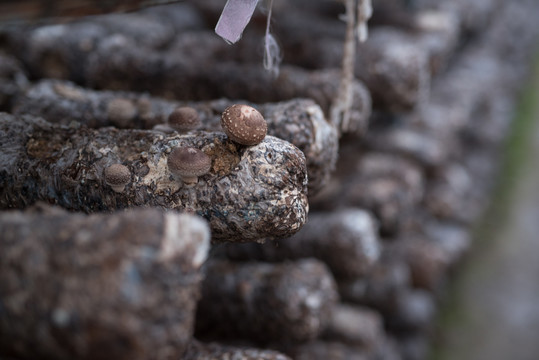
<point>249,193</point>
<point>214,351</point>
<point>265,303</point>
<point>122,284</point>
<point>299,121</point>
<point>346,240</point>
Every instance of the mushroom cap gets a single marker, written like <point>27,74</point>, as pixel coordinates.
<point>244,124</point>
<point>188,162</point>
<point>117,175</point>
<point>184,118</point>
<point>121,112</point>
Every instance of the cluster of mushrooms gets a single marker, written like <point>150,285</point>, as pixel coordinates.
<point>243,124</point>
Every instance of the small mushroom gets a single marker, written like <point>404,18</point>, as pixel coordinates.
<point>164,128</point>
<point>188,164</point>
<point>244,124</point>
<point>184,119</point>
<point>117,176</point>
<point>121,112</point>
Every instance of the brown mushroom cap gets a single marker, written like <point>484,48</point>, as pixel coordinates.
<point>117,176</point>
<point>244,124</point>
<point>121,112</point>
<point>188,163</point>
<point>184,119</point>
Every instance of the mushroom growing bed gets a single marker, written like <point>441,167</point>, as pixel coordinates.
<point>301,240</point>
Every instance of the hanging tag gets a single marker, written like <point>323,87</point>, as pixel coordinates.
<point>234,18</point>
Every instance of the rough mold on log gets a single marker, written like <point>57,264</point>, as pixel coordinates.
<point>452,194</point>
<point>303,123</point>
<point>389,278</point>
<point>396,72</point>
<point>110,52</point>
<point>388,185</point>
<point>214,351</point>
<point>355,325</point>
<point>123,284</point>
<point>431,146</point>
<point>30,12</point>
<point>469,107</point>
<point>132,68</point>
<point>434,29</point>
<point>453,239</point>
<point>149,32</point>
<point>13,80</point>
<point>345,240</point>
<point>299,121</point>
<point>474,16</point>
<point>250,192</point>
<point>395,67</point>
<point>322,350</point>
<point>265,303</point>
<point>414,345</point>
<point>427,260</point>
<point>117,63</point>
<point>59,49</point>
<point>414,312</point>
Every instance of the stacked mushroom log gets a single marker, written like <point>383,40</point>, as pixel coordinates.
<point>426,170</point>
<point>103,113</point>
<point>124,285</point>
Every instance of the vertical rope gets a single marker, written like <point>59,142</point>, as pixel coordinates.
<point>340,109</point>
<point>357,14</point>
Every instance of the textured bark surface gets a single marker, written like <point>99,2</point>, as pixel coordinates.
<point>443,76</point>
<point>427,260</point>
<point>394,66</point>
<point>113,53</point>
<point>387,185</point>
<point>132,68</point>
<point>389,278</point>
<point>265,303</point>
<point>33,10</point>
<point>213,351</point>
<point>395,70</point>
<point>434,28</point>
<point>430,147</point>
<point>356,325</point>
<point>414,313</point>
<point>50,49</point>
<point>345,240</point>
<point>13,80</point>
<point>298,121</point>
<point>122,284</point>
<point>322,350</point>
<point>250,192</point>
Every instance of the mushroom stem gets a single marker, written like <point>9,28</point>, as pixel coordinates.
<point>190,180</point>
<point>188,163</point>
<point>118,188</point>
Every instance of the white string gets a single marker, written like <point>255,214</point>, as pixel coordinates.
<point>272,52</point>
<point>364,13</point>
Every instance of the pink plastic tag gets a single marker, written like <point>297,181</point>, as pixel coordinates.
<point>234,18</point>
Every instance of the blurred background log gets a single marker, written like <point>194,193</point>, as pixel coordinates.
<point>122,284</point>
